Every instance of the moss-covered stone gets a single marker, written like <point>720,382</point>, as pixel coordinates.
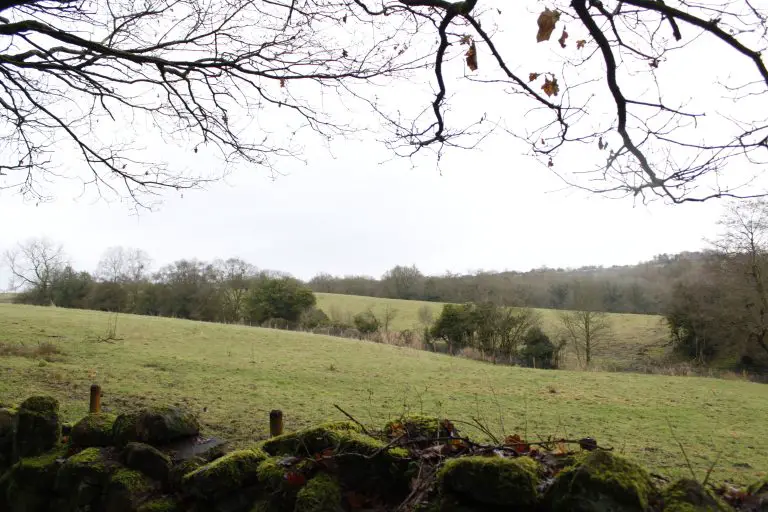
<point>93,430</point>
<point>309,441</point>
<point>42,404</point>
<point>81,479</point>
<point>147,459</point>
<point>38,472</point>
<point>164,504</point>
<point>126,490</point>
<point>688,495</point>
<point>177,472</point>
<point>321,494</point>
<point>234,471</point>
<point>156,426</point>
<point>417,426</point>
<point>7,429</point>
<point>491,481</point>
<point>599,482</point>
<point>38,427</point>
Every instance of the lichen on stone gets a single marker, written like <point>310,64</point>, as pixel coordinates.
<point>493,481</point>
<point>601,481</point>
<point>321,494</point>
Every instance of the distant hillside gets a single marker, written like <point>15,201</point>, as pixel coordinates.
<point>641,288</point>
<point>636,337</point>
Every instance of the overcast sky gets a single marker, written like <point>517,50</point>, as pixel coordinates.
<point>351,216</point>
<point>492,208</point>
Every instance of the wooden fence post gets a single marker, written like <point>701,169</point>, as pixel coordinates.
<point>275,423</point>
<point>95,404</point>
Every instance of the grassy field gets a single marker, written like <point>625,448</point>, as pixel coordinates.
<point>634,336</point>
<point>233,375</point>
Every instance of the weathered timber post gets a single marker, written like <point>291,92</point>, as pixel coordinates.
<point>95,404</point>
<point>275,423</point>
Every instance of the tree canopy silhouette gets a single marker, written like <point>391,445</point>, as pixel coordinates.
<point>611,108</point>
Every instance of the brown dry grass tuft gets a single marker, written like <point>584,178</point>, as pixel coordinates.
<point>45,350</point>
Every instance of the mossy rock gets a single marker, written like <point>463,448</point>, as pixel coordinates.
<point>416,427</point>
<point>363,461</point>
<point>321,494</point>
<point>156,426</point>
<point>494,482</point>
<point>39,472</point>
<point>38,427</point>
<point>177,472</point>
<point>601,482</point>
<point>126,490</point>
<point>147,459</point>
<point>227,474</point>
<point>81,479</point>
<point>93,430</point>
<point>163,504</point>
<point>28,485</point>
<point>309,441</point>
<point>688,495</point>
<point>7,429</point>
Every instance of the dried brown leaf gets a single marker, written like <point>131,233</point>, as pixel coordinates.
<point>546,22</point>
<point>580,44</point>
<point>563,38</point>
<point>550,86</point>
<point>472,57</point>
<point>532,76</point>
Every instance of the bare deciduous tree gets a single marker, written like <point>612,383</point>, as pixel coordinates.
<point>33,265</point>
<point>123,264</point>
<point>247,79</point>
<point>235,277</point>
<point>743,247</point>
<point>586,331</point>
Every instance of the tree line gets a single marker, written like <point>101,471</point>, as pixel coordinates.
<point>228,291</point>
<point>641,288</point>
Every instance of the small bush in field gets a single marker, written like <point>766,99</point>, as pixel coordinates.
<point>367,322</point>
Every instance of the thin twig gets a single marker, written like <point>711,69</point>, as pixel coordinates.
<point>682,449</point>
<point>345,413</point>
<point>712,466</point>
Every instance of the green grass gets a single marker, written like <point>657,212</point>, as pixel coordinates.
<point>232,376</point>
<point>634,336</point>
